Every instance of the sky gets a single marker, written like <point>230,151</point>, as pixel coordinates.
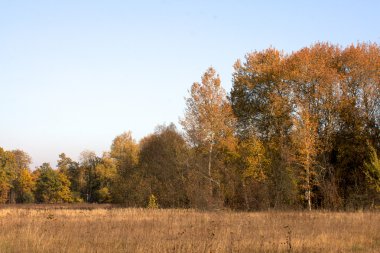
<point>74,74</point>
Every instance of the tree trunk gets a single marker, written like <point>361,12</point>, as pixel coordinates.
<point>308,189</point>
<point>209,168</point>
<point>245,196</point>
<point>309,199</point>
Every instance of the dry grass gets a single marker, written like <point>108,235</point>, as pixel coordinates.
<point>143,230</point>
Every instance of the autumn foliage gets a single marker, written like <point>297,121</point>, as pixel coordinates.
<point>297,130</point>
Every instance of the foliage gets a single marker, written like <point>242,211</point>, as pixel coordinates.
<point>25,186</point>
<point>253,159</point>
<point>75,175</point>
<point>372,170</point>
<point>152,204</point>
<point>7,174</point>
<point>293,132</point>
<point>125,155</point>
<point>104,195</point>
<point>208,117</point>
<point>88,163</point>
<point>314,111</point>
<point>52,186</point>
<point>162,164</point>
<point>209,127</point>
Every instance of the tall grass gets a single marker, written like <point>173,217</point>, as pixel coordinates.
<point>151,230</point>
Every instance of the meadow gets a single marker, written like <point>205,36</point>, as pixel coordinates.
<point>97,229</point>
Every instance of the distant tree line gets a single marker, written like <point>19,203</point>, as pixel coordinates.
<point>299,130</point>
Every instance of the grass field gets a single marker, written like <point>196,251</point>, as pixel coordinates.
<point>59,229</point>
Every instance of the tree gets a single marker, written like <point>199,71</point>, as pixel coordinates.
<point>106,172</point>
<point>313,77</point>
<point>52,186</point>
<point>21,170</point>
<point>209,122</point>
<point>261,101</point>
<point>75,174</point>
<point>22,159</point>
<point>260,96</point>
<point>7,174</point>
<point>125,153</point>
<point>124,150</point>
<point>306,150</point>
<point>25,187</point>
<point>88,163</point>
<point>162,165</point>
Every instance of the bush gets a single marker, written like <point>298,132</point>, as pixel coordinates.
<point>152,202</point>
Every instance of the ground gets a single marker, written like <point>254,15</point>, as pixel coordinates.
<point>93,228</point>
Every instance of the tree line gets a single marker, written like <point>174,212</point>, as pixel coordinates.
<point>298,130</point>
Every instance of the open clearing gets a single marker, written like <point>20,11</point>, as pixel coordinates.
<point>145,230</point>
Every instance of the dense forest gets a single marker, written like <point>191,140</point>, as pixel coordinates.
<point>297,130</point>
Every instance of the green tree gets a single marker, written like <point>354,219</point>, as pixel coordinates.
<point>52,186</point>
<point>21,169</point>
<point>372,170</point>
<point>162,165</point>
<point>88,163</point>
<point>75,175</point>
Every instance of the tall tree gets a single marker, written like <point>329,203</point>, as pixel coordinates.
<point>74,173</point>
<point>124,150</point>
<point>88,162</point>
<point>163,163</point>
<point>106,172</point>
<point>305,141</point>
<point>7,174</point>
<point>358,110</point>
<point>324,96</point>
<point>125,153</point>
<point>209,122</point>
<point>261,101</point>
<point>22,159</point>
<point>312,74</point>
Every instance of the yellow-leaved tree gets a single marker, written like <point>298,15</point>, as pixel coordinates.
<point>209,125</point>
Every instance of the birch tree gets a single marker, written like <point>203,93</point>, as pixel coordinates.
<point>208,120</point>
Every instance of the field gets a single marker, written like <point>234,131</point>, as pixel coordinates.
<point>87,229</point>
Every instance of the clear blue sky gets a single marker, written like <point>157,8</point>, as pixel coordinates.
<point>74,74</point>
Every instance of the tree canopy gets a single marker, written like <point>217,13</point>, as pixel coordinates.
<point>298,129</point>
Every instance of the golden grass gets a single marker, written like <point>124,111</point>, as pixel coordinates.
<point>144,230</point>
